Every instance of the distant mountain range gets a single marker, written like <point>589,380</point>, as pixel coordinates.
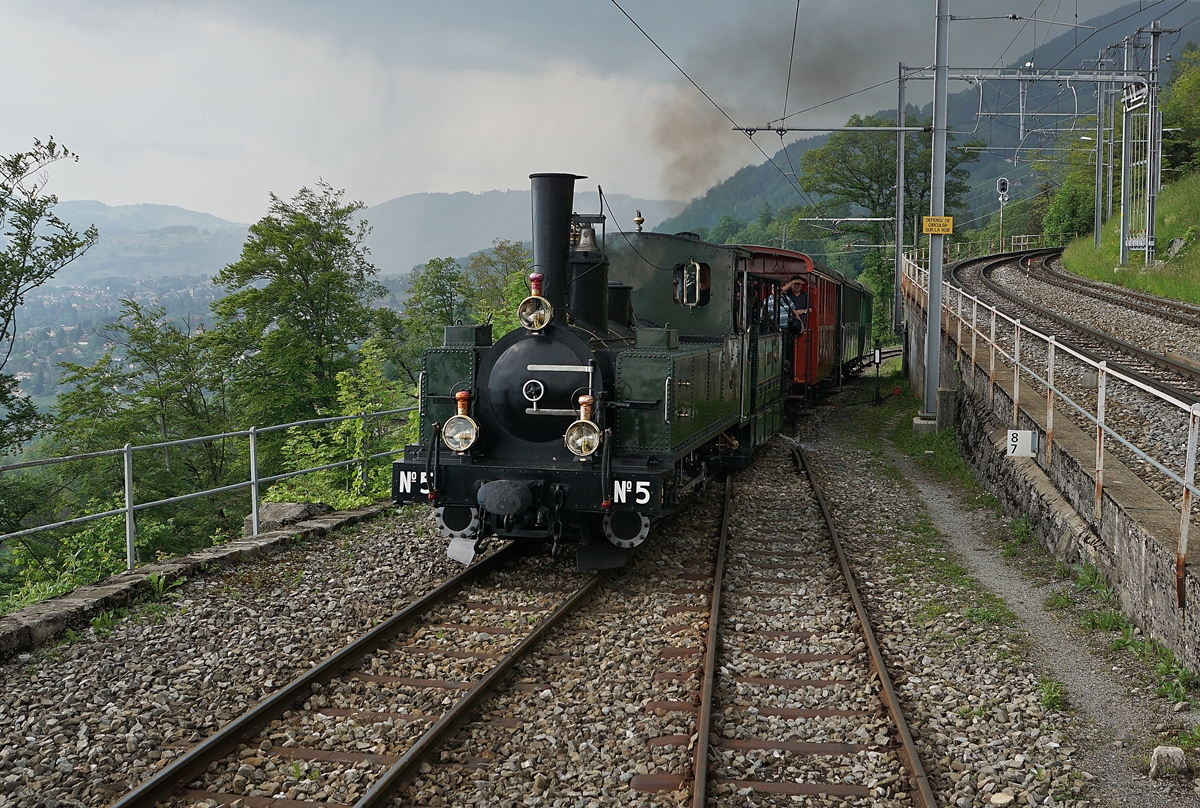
<point>149,241</point>
<point>411,229</point>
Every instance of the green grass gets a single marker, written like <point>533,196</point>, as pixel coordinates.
<point>1188,740</point>
<point>1090,581</point>
<point>1172,679</point>
<point>893,418</point>
<point>1058,600</point>
<point>994,612</point>
<point>1106,620</point>
<point>1022,532</point>
<point>1179,278</point>
<point>1098,609</point>
<point>104,622</point>
<point>1052,693</point>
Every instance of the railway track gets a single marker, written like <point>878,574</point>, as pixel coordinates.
<point>1163,308</point>
<point>399,690</point>
<point>795,699</point>
<point>1174,376</point>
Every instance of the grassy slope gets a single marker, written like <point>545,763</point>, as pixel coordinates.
<point>1179,277</point>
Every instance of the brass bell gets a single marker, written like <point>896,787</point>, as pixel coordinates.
<point>587,239</point>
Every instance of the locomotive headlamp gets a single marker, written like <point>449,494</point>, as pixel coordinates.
<point>535,312</point>
<point>460,431</point>
<point>583,436</point>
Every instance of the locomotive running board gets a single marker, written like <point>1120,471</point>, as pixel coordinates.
<point>595,557</point>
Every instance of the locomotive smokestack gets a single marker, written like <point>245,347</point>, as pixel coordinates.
<point>553,198</point>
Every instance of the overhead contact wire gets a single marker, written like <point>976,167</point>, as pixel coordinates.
<point>791,59</point>
<point>794,184</point>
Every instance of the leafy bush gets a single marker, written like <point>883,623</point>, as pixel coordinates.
<point>363,390</point>
<point>79,558</point>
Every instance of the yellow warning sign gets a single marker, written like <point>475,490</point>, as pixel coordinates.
<point>937,225</point>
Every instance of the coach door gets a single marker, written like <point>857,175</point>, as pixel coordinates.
<point>742,310</point>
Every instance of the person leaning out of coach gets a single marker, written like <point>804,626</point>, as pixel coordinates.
<point>795,310</point>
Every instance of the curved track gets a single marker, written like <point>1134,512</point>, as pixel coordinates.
<point>466,619</point>
<point>1147,419</point>
<point>1166,374</point>
<point>1164,308</point>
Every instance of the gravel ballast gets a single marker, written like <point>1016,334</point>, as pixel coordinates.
<point>83,722</point>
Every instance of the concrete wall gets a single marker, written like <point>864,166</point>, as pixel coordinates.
<point>1133,542</point>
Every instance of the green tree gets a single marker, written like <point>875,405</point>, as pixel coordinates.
<point>1065,201</point>
<point>765,214</point>
<point>36,244</point>
<point>155,384</point>
<point>725,230</point>
<point>1072,210</point>
<point>496,283</point>
<point>856,171</point>
<point>364,389</point>
<point>438,298</point>
<point>298,304</point>
<point>1181,111</point>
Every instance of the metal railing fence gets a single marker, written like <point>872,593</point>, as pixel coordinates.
<point>961,310</point>
<point>958,250</point>
<point>254,483</point>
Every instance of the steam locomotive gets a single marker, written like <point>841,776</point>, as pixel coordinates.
<point>644,363</point>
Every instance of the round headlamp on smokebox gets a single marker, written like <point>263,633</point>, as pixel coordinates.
<point>535,312</point>
<point>582,438</point>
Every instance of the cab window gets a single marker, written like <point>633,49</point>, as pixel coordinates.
<point>691,285</point>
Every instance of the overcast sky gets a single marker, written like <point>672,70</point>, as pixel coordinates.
<point>211,105</point>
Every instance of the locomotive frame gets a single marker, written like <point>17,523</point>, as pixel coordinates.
<point>645,363</point>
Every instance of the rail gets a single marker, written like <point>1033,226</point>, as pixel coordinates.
<point>960,250</point>
<point>922,792</point>
<point>254,482</point>
<point>962,310</point>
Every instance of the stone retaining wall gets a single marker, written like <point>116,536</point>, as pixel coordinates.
<point>28,628</point>
<point>1133,543</point>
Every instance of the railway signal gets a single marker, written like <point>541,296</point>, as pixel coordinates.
<point>1002,191</point>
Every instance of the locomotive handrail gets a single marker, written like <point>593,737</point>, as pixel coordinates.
<point>955,302</point>
<point>253,483</point>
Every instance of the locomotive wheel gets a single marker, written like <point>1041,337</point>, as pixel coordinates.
<point>457,521</point>
<point>626,528</point>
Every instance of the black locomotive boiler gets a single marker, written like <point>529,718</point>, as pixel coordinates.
<point>645,362</point>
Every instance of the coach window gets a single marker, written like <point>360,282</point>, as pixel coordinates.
<point>691,285</point>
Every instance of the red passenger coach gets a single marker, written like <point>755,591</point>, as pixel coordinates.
<point>833,334</point>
